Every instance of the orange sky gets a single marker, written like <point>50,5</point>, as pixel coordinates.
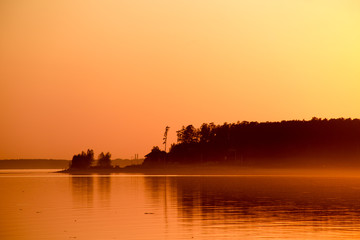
<point>110,75</point>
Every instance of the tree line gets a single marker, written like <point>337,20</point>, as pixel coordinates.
<point>297,142</point>
<point>86,160</point>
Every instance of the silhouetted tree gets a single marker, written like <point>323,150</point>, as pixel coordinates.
<point>206,133</point>
<point>187,135</point>
<point>155,157</point>
<point>104,160</point>
<point>165,136</point>
<point>83,160</point>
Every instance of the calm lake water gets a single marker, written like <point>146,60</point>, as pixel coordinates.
<point>36,204</point>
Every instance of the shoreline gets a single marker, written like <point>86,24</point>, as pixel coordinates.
<point>225,171</point>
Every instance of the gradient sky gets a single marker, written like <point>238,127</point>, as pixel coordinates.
<point>111,75</point>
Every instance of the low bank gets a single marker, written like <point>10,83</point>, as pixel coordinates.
<point>220,170</point>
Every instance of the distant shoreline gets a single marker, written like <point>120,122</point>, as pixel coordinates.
<point>34,164</point>
<point>227,171</point>
<point>54,163</point>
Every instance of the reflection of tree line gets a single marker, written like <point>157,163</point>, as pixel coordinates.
<point>83,188</point>
<point>265,144</point>
<point>246,198</point>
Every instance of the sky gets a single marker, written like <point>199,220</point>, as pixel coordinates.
<point>111,75</point>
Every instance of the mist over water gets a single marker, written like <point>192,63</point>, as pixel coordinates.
<point>43,205</point>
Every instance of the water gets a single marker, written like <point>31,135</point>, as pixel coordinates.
<point>41,205</point>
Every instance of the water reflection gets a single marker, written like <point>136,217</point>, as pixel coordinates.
<point>82,190</point>
<point>174,207</point>
<point>104,189</point>
<point>289,201</point>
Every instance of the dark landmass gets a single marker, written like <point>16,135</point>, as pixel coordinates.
<point>286,144</point>
<point>243,146</point>
<point>221,170</point>
<point>55,163</point>
<point>34,164</point>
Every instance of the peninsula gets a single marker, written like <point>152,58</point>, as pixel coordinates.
<point>243,146</point>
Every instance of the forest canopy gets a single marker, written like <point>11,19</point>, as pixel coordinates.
<point>285,143</point>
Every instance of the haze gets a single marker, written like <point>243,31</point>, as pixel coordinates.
<point>111,75</point>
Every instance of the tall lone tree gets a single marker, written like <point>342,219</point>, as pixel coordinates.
<point>165,136</point>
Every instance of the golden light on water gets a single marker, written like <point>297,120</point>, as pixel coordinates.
<point>177,207</point>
